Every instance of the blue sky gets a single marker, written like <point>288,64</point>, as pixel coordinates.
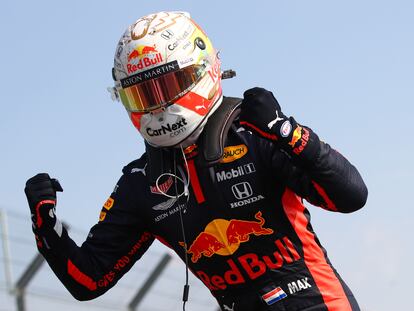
<point>344,68</point>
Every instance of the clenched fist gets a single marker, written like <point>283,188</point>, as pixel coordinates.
<point>41,194</point>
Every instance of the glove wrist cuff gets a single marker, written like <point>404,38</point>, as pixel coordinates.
<point>48,237</point>
<point>41,220</point>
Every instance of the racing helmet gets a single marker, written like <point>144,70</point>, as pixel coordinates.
<point>167,75</point>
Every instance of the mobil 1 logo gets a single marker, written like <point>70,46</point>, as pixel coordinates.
<point>235,172</point>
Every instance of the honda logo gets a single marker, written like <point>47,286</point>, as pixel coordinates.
<point>167,34</point>
<point>242,190</point>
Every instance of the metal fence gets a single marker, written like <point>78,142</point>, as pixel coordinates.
<point>27,283</point>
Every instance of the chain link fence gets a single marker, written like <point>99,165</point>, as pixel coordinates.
<point>155,283</point>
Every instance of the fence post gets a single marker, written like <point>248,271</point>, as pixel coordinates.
<point>27,276</point>
<point>24,280</point>
<point>149,282</point>
<point>6,250</point>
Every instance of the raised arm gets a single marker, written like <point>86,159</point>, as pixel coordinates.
<point>309,167</point>
<point>113,245</point>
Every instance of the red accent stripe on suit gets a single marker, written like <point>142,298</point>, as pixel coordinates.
<point>325,279</point>
<point>81,277</point>
<point>195,182</point>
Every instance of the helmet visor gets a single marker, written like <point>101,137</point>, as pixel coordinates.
<point>158,92</point>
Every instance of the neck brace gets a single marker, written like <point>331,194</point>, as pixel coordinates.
<point>211,141</point>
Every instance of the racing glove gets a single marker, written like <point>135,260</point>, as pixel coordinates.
<point>262,114</point>
<point>41,194</point>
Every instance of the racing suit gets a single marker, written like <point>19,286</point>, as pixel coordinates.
<point>249,236</point>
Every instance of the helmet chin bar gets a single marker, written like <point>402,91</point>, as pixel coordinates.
<point>193,137</point>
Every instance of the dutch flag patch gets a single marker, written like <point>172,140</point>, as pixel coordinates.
<point>274,296</point>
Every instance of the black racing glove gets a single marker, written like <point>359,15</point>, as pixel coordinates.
<point>41,194</point>
<point>261,113</point>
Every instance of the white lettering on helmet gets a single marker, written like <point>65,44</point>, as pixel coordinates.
<point>174,129</point>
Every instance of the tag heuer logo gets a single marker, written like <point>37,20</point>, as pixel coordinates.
<point>162,188</point>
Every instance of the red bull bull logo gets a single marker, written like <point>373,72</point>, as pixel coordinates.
<point>223,237</point>
<point>305,138</point>
<point>239,231</point>
<point>143,56</point>
<point>297,134</point>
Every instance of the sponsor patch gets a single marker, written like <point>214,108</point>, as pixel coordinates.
<point>235,172</point>
<point>244,193</point>
<point>142,57</point>
<point>297,134</point>
<point>186,61</point>
<point>167,208</point>
<point>102,216</point>
<point>167,34</point>
<point>274,296</point>
<point>299,285</point>
<point>277,119</point>
<point>304,141</point>
<point>242,190</point>
<point>139,170</point>
<point>164,205</point>
<point>181,38</point>
<point>232,153</point>
<point>108,204</point>
<point>150,74</point>
<point>215,72</point>
<point>223,237</point>
<point>285,129</point>
<point>249,266</point>
<point>173,129</point>
<point>246,201</point>
<point>162,188</point>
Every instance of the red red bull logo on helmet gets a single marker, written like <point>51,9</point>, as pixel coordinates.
<point>143,56</point>
<point>215,72</point>
<point>223,237</point>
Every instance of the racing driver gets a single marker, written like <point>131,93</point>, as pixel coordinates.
<point>222,183</point>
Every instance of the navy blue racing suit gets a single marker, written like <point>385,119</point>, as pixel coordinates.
<point>248,234</point>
